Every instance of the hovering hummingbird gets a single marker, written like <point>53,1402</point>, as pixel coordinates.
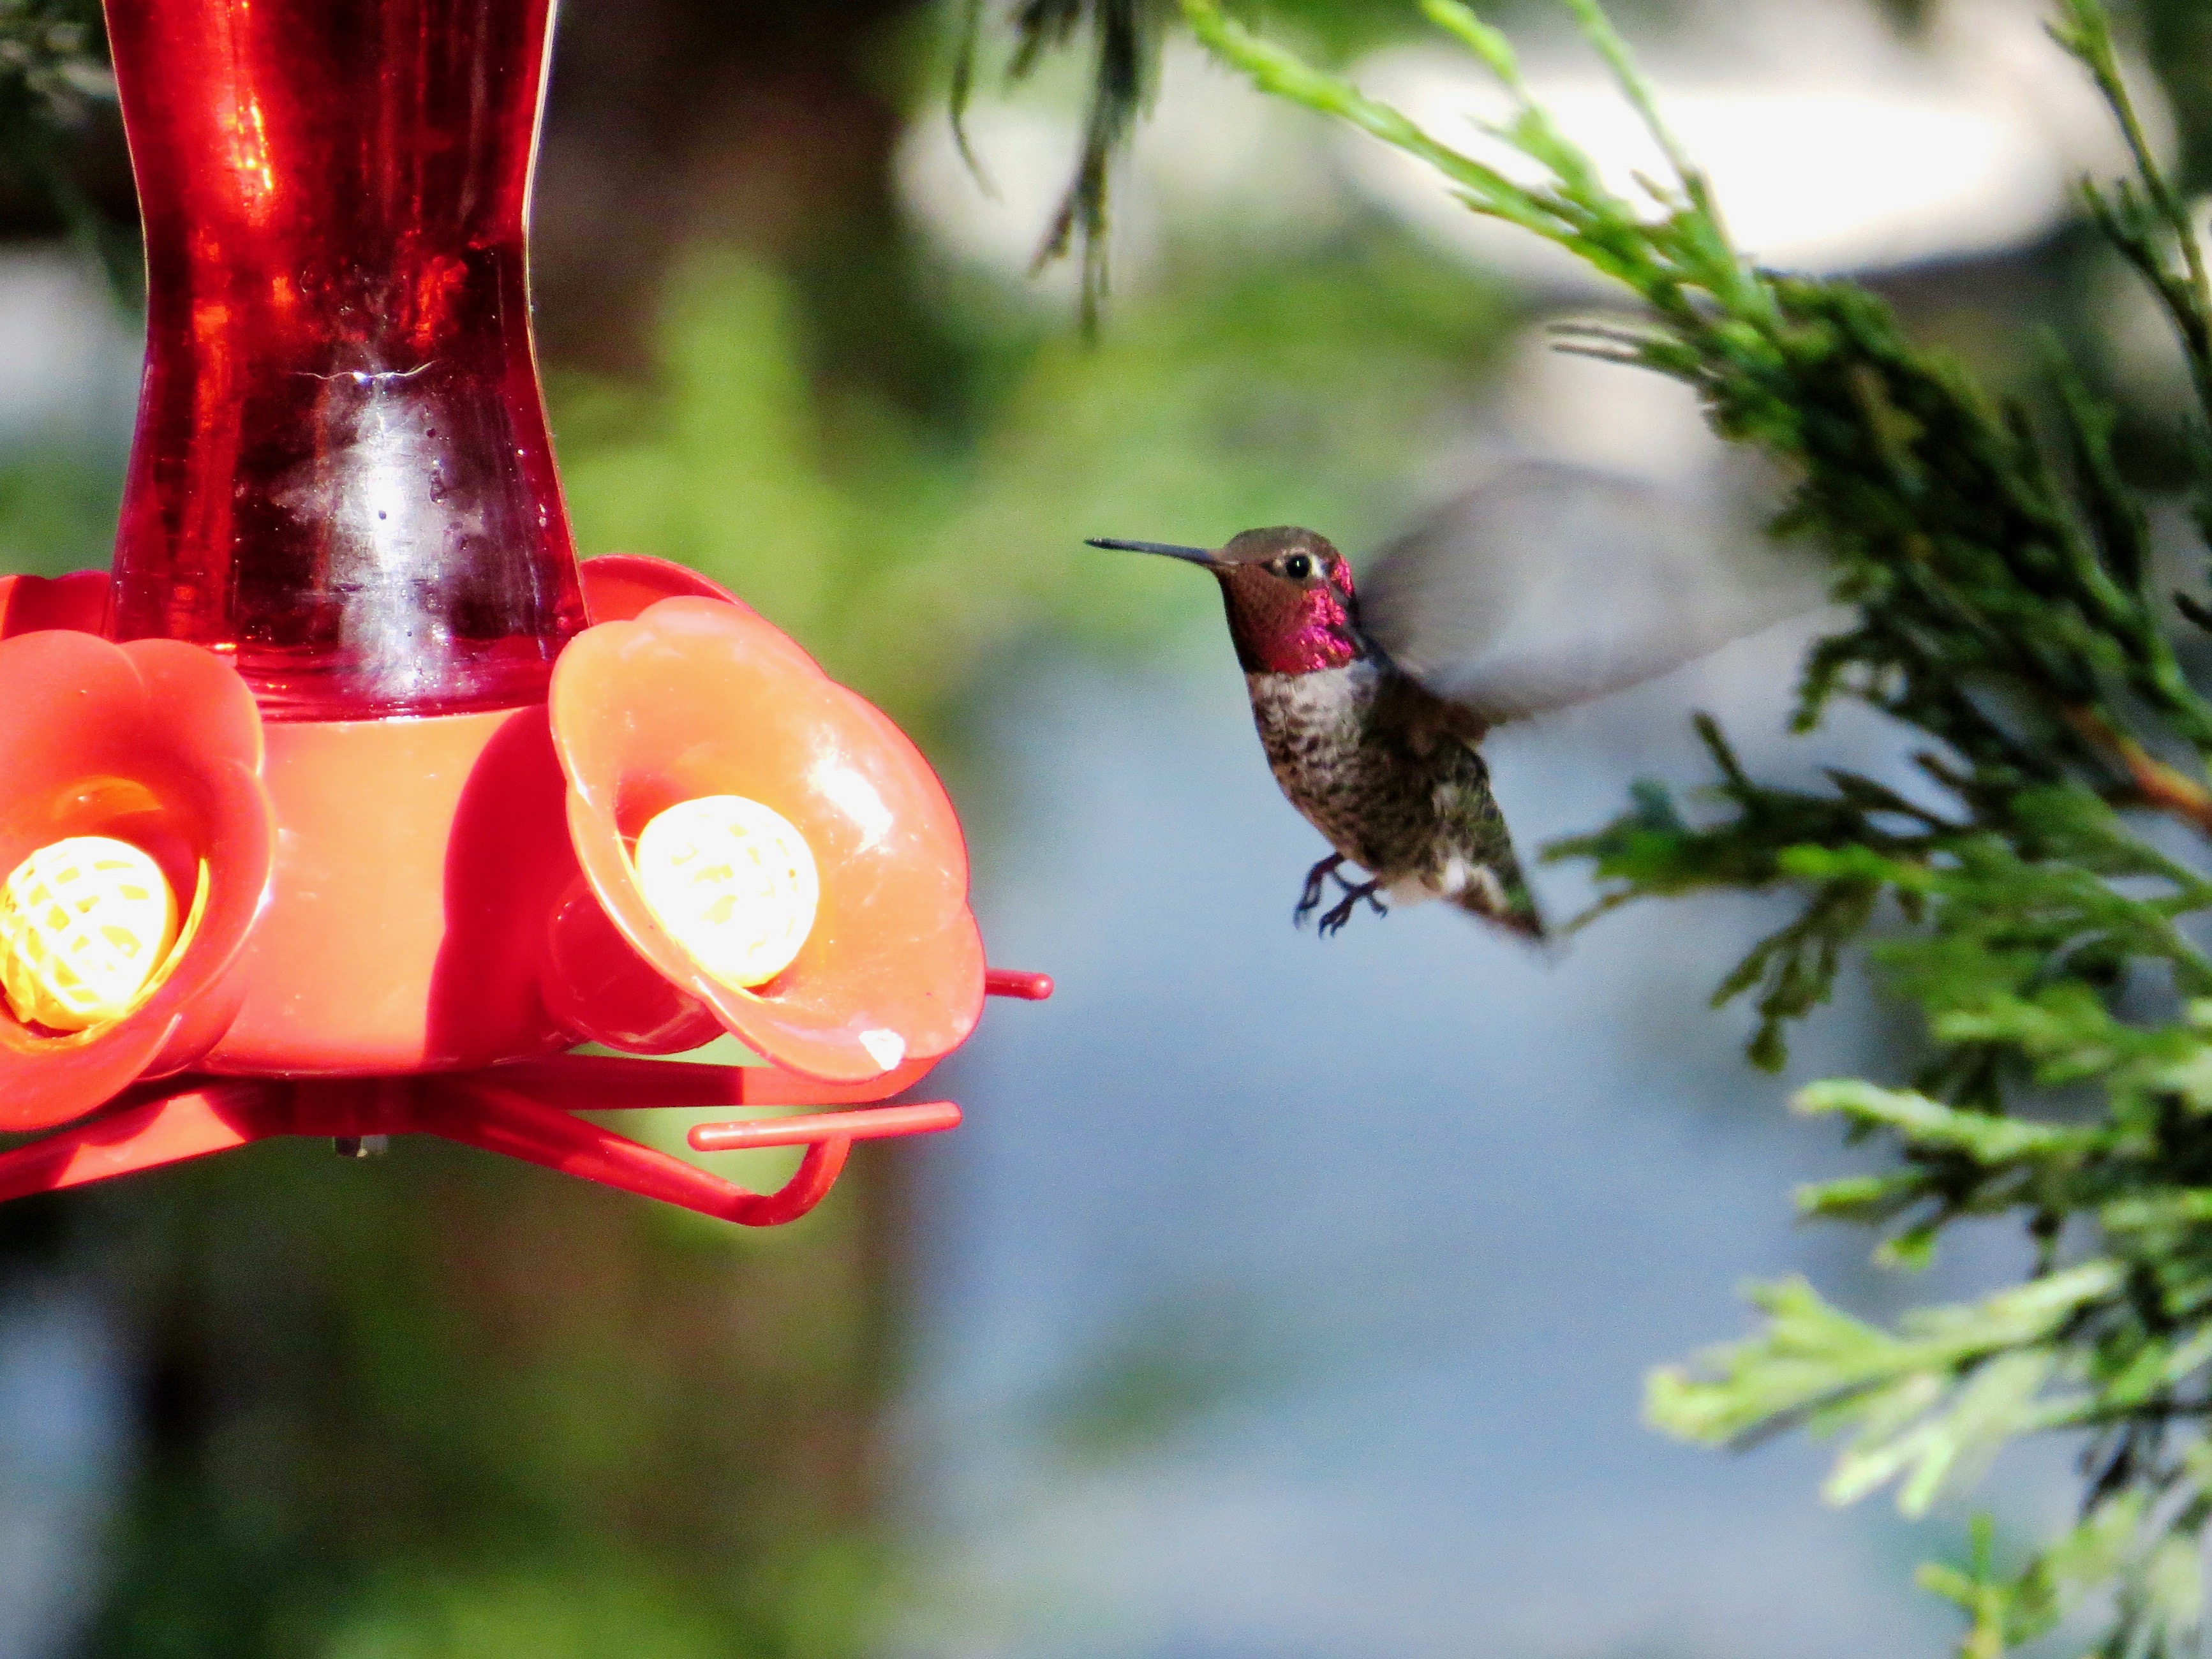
<point>1550,585</point>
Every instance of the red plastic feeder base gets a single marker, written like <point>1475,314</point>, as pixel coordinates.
<point>524,1111</point>
<point>391,749</point>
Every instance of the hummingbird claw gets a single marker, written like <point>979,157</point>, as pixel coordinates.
<point>1334,921</point>
<point>1310,900</point>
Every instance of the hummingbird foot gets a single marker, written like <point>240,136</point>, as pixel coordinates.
<point>1334,921</point>
<point>1310,900</point>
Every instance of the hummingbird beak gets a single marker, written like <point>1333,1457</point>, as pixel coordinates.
<point>1189,554</point>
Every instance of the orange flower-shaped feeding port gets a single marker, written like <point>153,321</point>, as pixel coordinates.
<point>766,840</point>
<point>155,746</point>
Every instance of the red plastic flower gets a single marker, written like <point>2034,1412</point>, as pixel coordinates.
<point>156,744</point>
<point>699,698</point>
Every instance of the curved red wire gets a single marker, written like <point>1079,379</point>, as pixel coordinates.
<point>524,1112</point>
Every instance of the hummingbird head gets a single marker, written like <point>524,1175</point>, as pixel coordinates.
<point>1289,597</point>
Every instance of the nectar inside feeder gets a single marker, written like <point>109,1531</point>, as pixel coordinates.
<point>732,882</point>
<point>295,839</point>
<point>86,924</point>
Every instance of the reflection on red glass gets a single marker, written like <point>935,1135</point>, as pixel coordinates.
<point>341,474</point>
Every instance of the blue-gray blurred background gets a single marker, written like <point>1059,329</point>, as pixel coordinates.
<point>1279,1299</point>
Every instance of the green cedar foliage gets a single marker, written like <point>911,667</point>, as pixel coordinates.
<point>1122,36</point>
<point>2005,606</point>
<point>55,83</point>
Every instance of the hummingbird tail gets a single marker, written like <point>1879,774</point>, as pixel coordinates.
<point>1501,897</point>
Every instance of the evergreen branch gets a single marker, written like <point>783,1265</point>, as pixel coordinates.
<point>2158,785</point>
<point>1920,1122</point>
<point>53,75</point>
<point>1124,37</point>
<point>2000,571</point>
<point>1812,1362</point>
<point>2139,229</point>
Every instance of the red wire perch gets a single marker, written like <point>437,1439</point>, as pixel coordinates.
<point>524,1111</point>
<point>1014,982</point>
<point>881,1123</point>
<point>479,1109</point>
<point>498,1110</point>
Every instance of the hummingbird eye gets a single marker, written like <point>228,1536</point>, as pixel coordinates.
<point>1297,566</point>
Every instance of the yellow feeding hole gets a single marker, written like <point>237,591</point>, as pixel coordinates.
<point>85,925</point>
<point>732,882</point>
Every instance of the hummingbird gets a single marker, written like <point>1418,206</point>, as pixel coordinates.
<point>1547,585</point>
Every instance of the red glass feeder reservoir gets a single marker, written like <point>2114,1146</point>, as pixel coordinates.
<point>351,804</point>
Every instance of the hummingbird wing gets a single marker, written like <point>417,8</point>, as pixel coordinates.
<point>1550,585</point>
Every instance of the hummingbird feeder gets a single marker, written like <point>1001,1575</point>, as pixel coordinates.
<point>348,803</point>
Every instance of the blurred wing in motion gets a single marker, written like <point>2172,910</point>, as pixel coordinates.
<point>1551,584</point>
